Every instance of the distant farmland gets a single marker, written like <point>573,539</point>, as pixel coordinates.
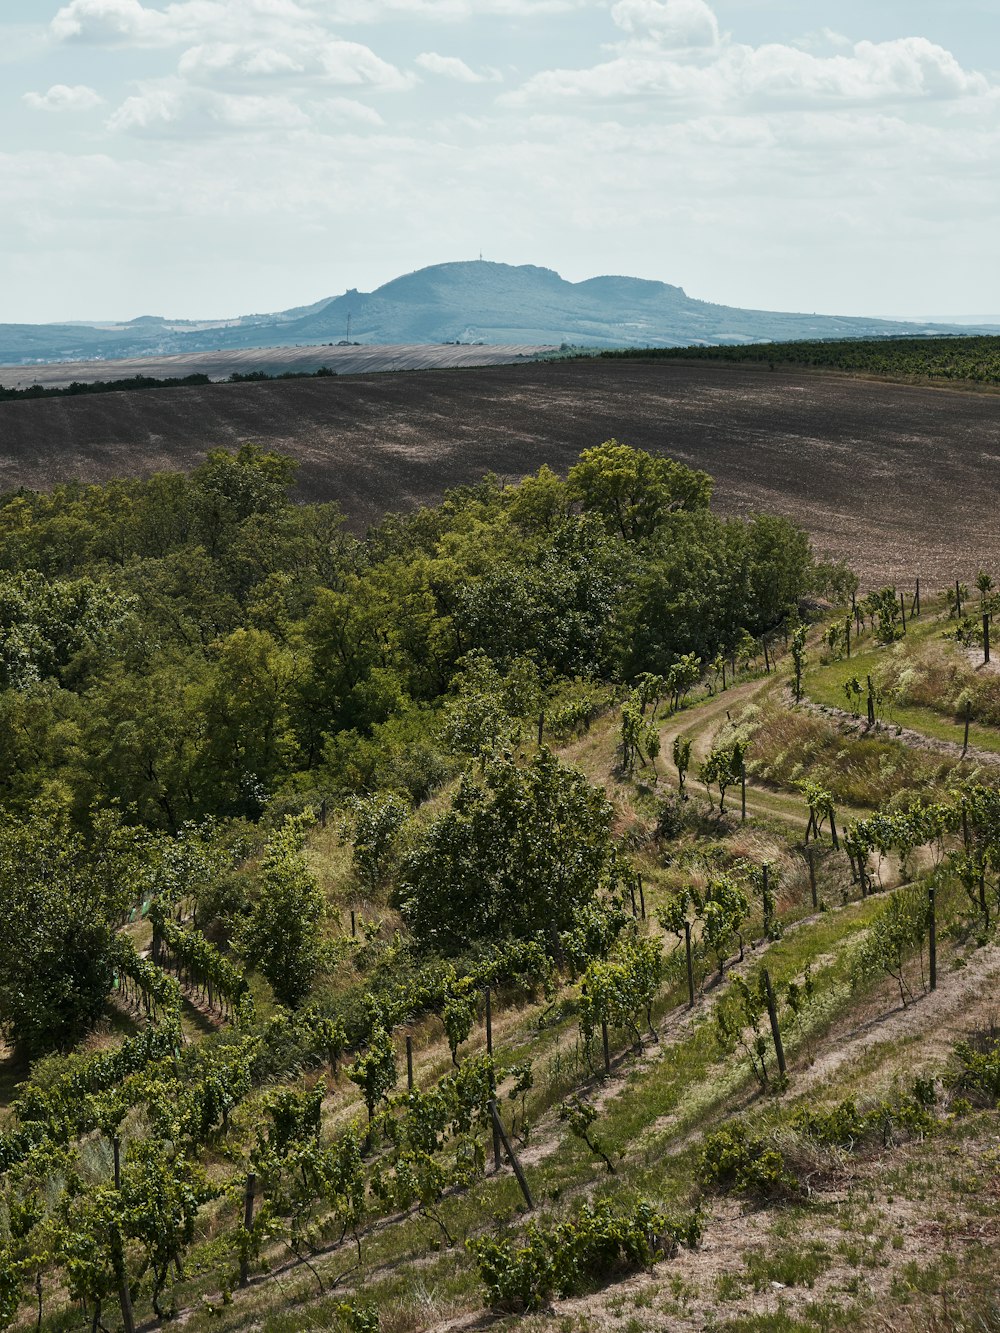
<point>900,480</point>
<point>353,359</point>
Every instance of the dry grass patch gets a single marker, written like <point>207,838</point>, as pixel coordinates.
<point>790,745</point>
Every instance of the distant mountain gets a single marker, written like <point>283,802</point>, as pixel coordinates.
<point>465,302</point>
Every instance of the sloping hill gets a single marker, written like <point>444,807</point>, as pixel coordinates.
<point>899,479</point>
<point>470,302</point>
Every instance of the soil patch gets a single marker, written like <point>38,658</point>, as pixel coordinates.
<point>901,480</point>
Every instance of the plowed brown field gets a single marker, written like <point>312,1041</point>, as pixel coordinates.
<point>901,480</point>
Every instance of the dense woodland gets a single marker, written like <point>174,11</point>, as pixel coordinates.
<point>974,360</point>
<point>203,683</point>
<point>191,649</point>
<point>199,646</point>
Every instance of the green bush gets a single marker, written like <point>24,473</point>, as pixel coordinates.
<point>572,1256</point>
<point>979,1070</point>
<point>847,1127</point>
<point>734,1161</point>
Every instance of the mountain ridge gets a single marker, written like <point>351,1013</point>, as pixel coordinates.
<point>474,301</point>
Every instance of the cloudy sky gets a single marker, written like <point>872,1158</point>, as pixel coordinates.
<point>211,157</point>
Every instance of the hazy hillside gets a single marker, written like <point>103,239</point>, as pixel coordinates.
<point>467,302</point>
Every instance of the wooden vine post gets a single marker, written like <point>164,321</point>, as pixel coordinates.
<point>932,934</point>
<point>118,1250</point>
<point>607,1049</point>
<point>743,790</point>
<point>409,1063</point>
<point>248,1201</point>
<point>986,638</point>
<point>772,1013</point>
<point>497,1163</point>
<point>690,964</point>
<point>965,744</point>
<point>511,1154</point>
<point>810,857</point>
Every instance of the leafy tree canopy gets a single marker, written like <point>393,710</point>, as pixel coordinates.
<point>521,852</point>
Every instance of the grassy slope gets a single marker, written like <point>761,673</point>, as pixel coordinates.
<point>881,1234</point>
<point>825,685</point>
<point>856,1242</point>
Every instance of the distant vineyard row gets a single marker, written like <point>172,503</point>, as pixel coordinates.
<point>150,382</point>
<point>972,359</point>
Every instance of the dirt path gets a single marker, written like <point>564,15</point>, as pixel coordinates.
<point>700,726</point>
<point>965,996</point>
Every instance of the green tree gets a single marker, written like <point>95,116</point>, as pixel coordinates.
<point>282,935</point>
<point>229,488</point>
<point>634,491</point>
<point>799,657</point>
<point>521,851</point>
<point>378,822</point>
<point>249,740</point>
<point>62,899</point>
<point>374,1071</point>
<point>724,767</point>
<point>682,761</point>
<point>722,911</point>
<point>897,931</point>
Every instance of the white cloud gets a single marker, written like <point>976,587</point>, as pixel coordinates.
<point>350,63</point>
<point>332,60</point>
<point>105,21</point>
<point>371,11</point>
<point>674,23</point>
<point>451,67</point>
<point>174,110</point>
<point>907,69</point>
<point>821,40</point>
<point>130,23</point>
<point>212,59</point>
<point>61,97</point>
<point>347,111</point>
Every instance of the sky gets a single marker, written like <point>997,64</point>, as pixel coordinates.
<point>209,158</point>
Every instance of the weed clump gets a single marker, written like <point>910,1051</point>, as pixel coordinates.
<point>979,1068</point>
<point>578,1254</point>
<point>734,1161</point>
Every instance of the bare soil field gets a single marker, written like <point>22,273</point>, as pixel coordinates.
<point>354,359</point>
<point>901,480</point>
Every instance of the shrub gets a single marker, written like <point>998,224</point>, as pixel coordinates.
<point>979,1071</point>
<point>846,1127</point>
<point>734,1161</point>
<point>570,1257</point>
